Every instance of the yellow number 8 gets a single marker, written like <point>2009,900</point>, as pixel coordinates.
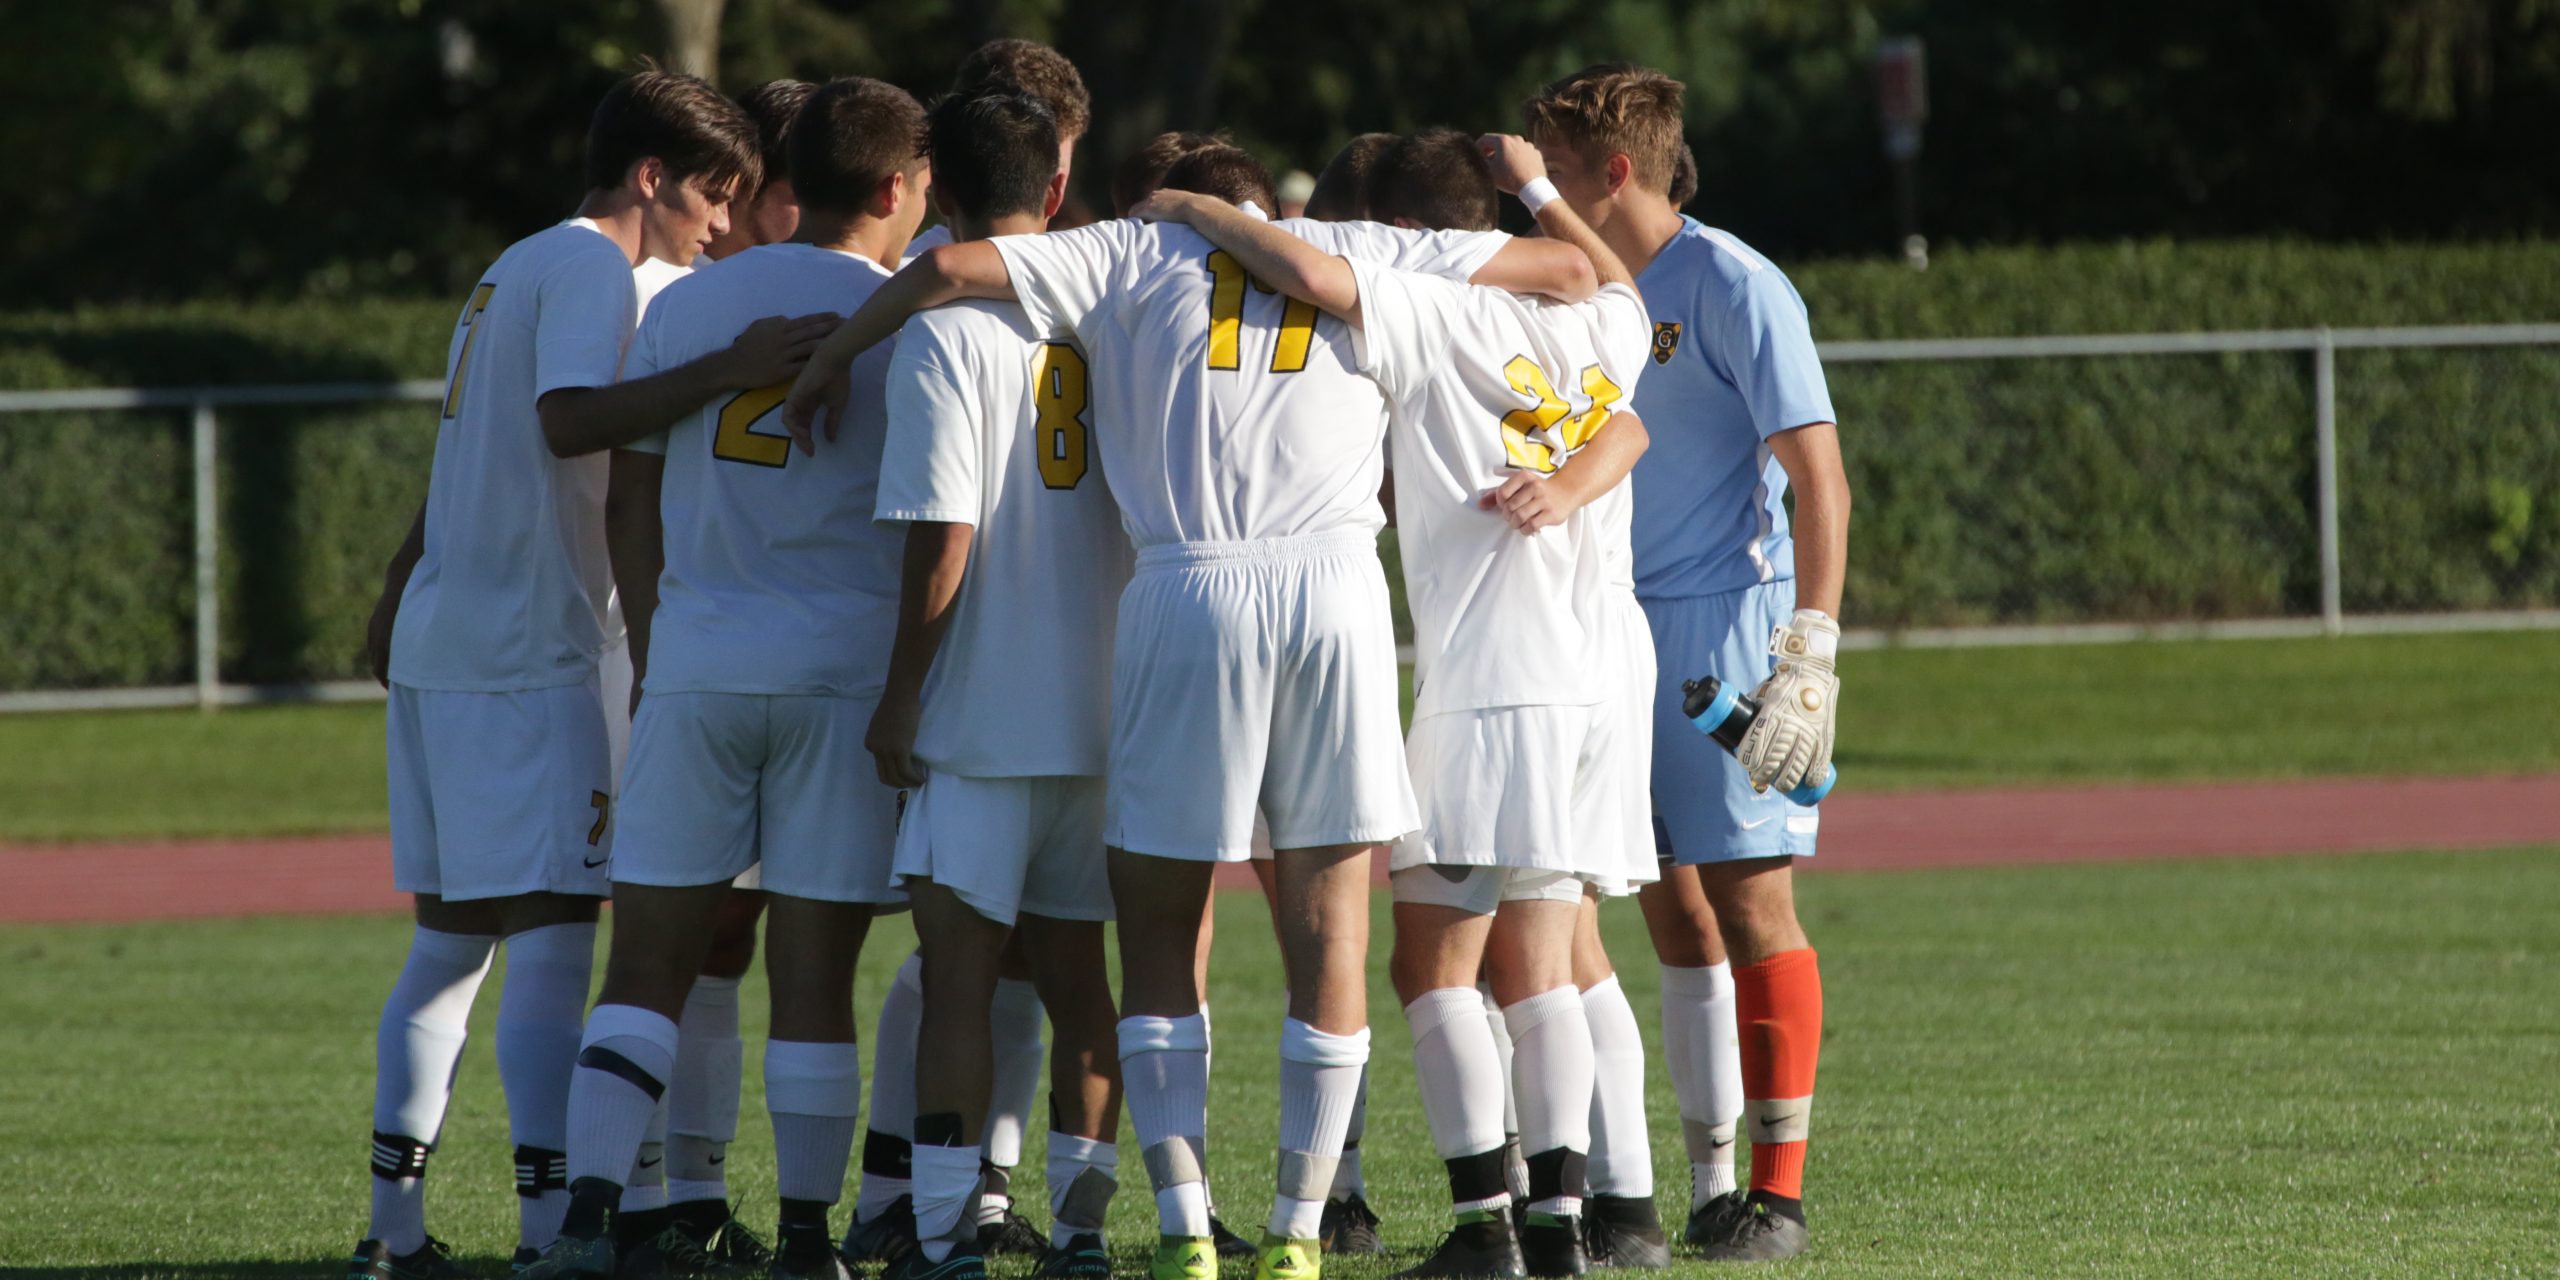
<point>1059,433</point>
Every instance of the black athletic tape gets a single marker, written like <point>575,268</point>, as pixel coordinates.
<point>1561,1172</point>
<point>1477,1177</point>
<point>596,1057</point>
<point>886,1155</point>
<point>397,1156</point>
<point>540,1170</point>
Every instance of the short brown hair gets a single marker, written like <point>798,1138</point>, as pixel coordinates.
<point>1228,172</point>
<point>1144,170</point>
<point>993,153</point>
<point>1437,179</point>
<point>1684,179</point>
<point>1342,190</point>
<point>1033,68</point>
<point>853,134</point>
<point>773,106</point>
<point>1611,109</point>
<point>681,120</point>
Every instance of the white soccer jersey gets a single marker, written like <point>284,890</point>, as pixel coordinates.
<point>989,426</point>
<point>1224,412</point>
<point>510,592</point>
<point>1484,384</point>
<point>926,241</point>
<point>652,276</point>
<point>776,579</point>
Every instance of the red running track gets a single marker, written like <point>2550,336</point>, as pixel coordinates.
<point>315,875</point>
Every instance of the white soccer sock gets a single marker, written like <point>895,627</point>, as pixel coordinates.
<point>946,1185</point>
<point>1014,1025</point>
<point>1459,1071</point>
<point>1621,1142</point>
<point>622,1072</point>
<point>814,1091</point>
<point>416,1048</point>
<point>1347,1180</point>
<point>541,1014</point>
<point>1319,1083</point>
<point>1551,1076</point>
<point>1702,1048</point>
<point>1164,1070</point>
<point>887,1149</point>
<point>1515,1171</point>
<point>702,1100</point>
<point>1083,1172</point>
<point>646,1189</point>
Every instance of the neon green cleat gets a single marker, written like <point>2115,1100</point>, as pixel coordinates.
<point>1184,1258</point>
<point>1289,1259</point>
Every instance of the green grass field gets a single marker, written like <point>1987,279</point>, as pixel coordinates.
<point>2462,704</point>
<point>2300,1067</point>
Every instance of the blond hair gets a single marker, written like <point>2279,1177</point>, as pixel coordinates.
<point>1615,108</point>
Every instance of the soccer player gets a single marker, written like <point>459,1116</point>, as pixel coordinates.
<point>1740,411</point>
<point>1508,737</point>
<point>772,212</point>
<point>1253,662</point>
<point>757,675</point>
<point>1342,190</point>
<point>1014,559</point>
<point>488,634</point>
<point>884,1221</point>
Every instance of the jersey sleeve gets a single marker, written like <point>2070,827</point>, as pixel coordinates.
<point>584,311</point>
<point>1623,337</point>
<point>931,462</point>
<point>1450,255</point>
<point>1766,346</point>
<point>1407,323</point>
<point>656,444</point>
<point>1062,278</point>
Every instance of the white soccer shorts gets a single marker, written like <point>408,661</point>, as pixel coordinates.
<point>1512,787</point>
<point>1481,891</point>
<point>1255,674</point>
<point>1623,730</point>
<point>719,782</point>
<point>499,794</point>
<point>1008,846</point>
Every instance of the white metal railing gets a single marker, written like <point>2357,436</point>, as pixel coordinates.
<point>2322,345</point>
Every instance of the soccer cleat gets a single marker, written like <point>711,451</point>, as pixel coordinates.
<point>884,1237</point>
<point>1481,1246</point>
<point>1758,1235</point>
<point>523,1258</point>
<point>570,1258</point>
<point>1350,1227</point>
<point>1184,1258</point>
<point>964,1263</point>
<point>1286,1259</point>
<point>817,1262</point>
<point>713,1230</point>
<point>678,1255</point>
<point>1229,1244</point>
<point>1011,1236</point>
<point>1713,1221</point>
<point>1083,1258</point>
<point>1551,1246</point>
<point>430,1261</point>
<point>1623,1231</point>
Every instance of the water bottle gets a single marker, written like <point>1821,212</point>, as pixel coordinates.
<point>1725,714</point>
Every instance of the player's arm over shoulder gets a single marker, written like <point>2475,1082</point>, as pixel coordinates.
<point>1548,267</point>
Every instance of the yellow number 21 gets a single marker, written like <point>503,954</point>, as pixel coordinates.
<point>1530,436</point>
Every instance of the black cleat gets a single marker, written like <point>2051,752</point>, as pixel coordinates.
<point>1623,1231</point>
<point>715,1242</point>
<point>433,1260</point>
<point>1713,1221</point>
<point>524,1257</point>
<point>890,1233</point>
<point>1481,1247</point>
<point>1011,1236</point>
<point>1551,1246</point>
<point>964,1263</point>
<point>570,1258</point>
<point>816,1262</point>
<point>1759,1235</point>
<point>1229,1244</point>
<point>1350,1226</point>
<point>1083,1259</point>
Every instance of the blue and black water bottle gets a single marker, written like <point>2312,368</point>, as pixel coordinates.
<point>1725,714</point>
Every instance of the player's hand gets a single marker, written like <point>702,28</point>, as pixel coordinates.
<point>1514,160</point>
<point>377,637</point>
<point>1528,501</point>
<point>1790,742</point>
<point>891,740</point>
<point>817,396</point>
<point>775,349</point>
<point>1167,205</point>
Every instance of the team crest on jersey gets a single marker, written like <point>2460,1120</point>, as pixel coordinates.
<point>1666,340</point>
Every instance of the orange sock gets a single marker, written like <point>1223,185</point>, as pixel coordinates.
<point>1779,1004</point>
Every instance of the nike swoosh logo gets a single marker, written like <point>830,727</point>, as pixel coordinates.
<point>1714,1145</point>
<point>1754,826</point>
<point>652,1164</point>
<point>596,863</point>
<point>1775,1121</point>
<point>722,1158</point>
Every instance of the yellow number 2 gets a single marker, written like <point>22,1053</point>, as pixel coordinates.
<point>736,440</point>
<point>1227,281</point>
<point>470,334</point>
<point>1058,391</point>
<point>1530,437</point>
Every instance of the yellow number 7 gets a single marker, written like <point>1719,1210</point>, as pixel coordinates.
<point>470,334</point>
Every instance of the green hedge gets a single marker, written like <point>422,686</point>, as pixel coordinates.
<point>1988,491</point>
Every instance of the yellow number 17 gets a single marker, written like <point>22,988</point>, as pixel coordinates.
<point>1227,281</point>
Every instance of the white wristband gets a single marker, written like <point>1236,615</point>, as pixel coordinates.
<point>1538,193</point>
